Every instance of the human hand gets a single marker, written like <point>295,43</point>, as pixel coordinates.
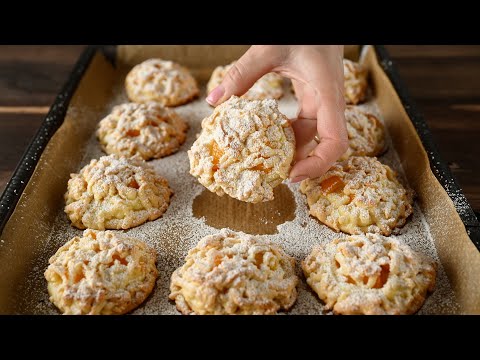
<point>317,77</point>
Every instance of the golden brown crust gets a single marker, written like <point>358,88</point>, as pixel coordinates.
<point>355,77</point>
<point>366,133</point>
<point>114,192</point>
<point>359,195</point>
<point>370,274</point>
<point>101,273</point>
<point>245,149</point>
<point>165,82</point>
<point>234,273</point>
<point>149,130</point>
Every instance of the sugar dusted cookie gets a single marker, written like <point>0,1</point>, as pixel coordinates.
<point>370,274</point>
<point>269,86</point>
<point>359,195</point>
<point>245,149</point>
<point>101,273</point>
<point>114,192</point>
<point>356,85</point>
<point>366,134</point>
<point>234,273</point>
<point>149,130</point>
<point>165,82</point>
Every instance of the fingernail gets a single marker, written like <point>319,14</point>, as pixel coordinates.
<point>298,178</point>
<point>215,95</point>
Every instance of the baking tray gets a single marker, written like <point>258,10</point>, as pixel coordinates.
<point>459,274</point>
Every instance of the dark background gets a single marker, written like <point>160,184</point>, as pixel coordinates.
<point>443,80</point>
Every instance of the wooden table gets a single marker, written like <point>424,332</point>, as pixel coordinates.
<point>443,80</point>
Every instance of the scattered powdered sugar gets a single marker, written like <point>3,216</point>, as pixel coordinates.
<point>178,230</point>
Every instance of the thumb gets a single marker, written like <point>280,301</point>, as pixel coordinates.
<point>256,62</point>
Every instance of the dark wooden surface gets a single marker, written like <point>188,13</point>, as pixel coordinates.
<point>443,80</point>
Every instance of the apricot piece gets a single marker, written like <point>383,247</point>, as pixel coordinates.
<point>122,260</point>
<point>218,260</point>
<point>79,276</point>
<point>133,184</point>
<point>216,153</point>
<point>258,259</point>
<point>260,167</point>
<point>332,184</point>
<point>133,133</point>
<point>382,279</point>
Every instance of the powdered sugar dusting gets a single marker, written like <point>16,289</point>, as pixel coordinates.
<point>245,149</point>
<point>371,199</point>
<point>268,86</point>
<point>178,230</point>
<point>163,81</point>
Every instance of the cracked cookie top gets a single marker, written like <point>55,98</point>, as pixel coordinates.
<point>234,273</point>
<point>165,82</point>
<point>149,130</point>
<point>115,192</point>
<point>370,274</point>
<point>359,195</point>
<point>101,273</point>
<point>244,150</point>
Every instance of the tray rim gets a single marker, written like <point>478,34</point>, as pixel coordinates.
<point>438,166</point>
<point>56,115</point>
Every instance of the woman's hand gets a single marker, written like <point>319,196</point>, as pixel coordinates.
<point>316,72</point>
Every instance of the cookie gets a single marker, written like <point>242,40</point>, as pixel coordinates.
<point>355,77</point>
<point>269,86</point>
<point>114,192</point>
<point>234,273</point>
<point>101,273</point>
<point>370,274</point>
<point>359,195</point>
<point>149,130</point>
<point>366,134</point>
<point>244,150</point>
<point>165,82</point>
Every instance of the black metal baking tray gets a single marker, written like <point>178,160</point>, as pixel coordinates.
<point>56,115</point>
